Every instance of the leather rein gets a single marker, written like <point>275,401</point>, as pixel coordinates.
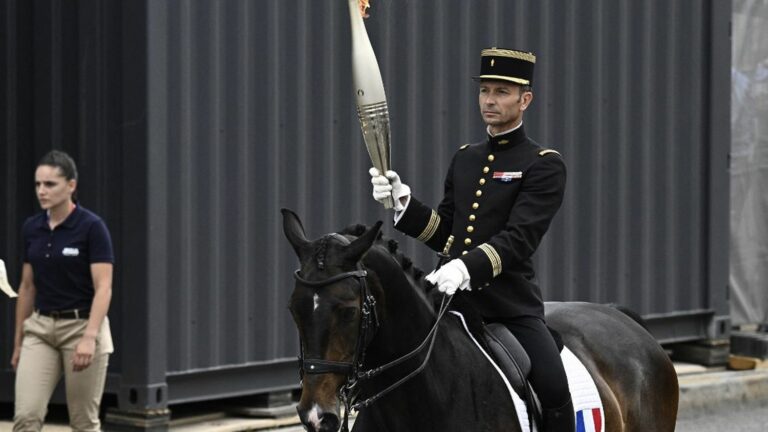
<point>369,324</point>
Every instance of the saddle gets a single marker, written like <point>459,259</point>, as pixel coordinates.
<point>515,363</point>
<point>501,344</point>
<point>510,355</point>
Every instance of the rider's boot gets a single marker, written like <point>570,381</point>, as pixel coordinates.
<point>560,419</point>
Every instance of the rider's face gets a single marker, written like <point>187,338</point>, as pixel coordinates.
<point>502,104</point>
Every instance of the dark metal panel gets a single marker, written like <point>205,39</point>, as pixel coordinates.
<point>681,326</point>
<point>224,303</point>
<point>143,342</point>
<point>719,166</point>
<point>194,385</point>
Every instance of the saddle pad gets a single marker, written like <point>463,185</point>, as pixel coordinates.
<point>586,400</point>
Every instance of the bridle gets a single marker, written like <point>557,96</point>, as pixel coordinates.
<point>369,324</point>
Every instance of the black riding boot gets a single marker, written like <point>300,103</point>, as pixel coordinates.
<point>560,419</point>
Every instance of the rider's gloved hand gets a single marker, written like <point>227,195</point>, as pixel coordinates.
<point>450,277</point>
<point>389,186</point>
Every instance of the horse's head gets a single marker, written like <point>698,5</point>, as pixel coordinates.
<point>332,315</point>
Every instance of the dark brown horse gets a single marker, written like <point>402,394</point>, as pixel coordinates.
<point>359,305</point>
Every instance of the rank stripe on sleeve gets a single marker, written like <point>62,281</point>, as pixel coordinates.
<point>493,257</point>
<point>429,231</point>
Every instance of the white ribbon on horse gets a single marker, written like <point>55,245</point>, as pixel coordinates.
<point>4,285</point>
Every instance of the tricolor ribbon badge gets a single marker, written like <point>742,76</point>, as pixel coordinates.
<point>507,176</point>
<point>589,420</point>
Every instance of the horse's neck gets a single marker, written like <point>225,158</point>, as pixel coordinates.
<point>454,366</point>
<point>407,316</point>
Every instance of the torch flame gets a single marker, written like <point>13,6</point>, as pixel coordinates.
<point>364,4</point>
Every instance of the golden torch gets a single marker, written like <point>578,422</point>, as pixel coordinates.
<point>369,90</point>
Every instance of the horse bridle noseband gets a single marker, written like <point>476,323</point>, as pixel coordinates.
<point>369,324</point>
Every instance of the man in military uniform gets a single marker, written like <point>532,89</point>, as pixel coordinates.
<point>500,197</point>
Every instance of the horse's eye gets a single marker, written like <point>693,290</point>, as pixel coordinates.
<point>347,314</point>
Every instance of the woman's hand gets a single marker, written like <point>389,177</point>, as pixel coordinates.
<point>15,357</point>
<point>84,352</point>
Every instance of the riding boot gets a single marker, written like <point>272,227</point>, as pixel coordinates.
<point>560,419</point>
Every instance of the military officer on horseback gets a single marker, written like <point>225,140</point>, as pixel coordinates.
<point>500,197</point>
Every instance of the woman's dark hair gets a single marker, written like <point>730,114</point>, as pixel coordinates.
<point>64,162</point>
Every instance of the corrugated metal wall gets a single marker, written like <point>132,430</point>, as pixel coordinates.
<point>229,110</point>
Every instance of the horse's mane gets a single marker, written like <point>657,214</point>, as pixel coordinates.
<point>391,246</point>
<point>432,296</point>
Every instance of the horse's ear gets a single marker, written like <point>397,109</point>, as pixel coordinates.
<point>360,245</point>
<point>294,231</point>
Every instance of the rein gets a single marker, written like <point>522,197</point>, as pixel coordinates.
<point>369,324</point>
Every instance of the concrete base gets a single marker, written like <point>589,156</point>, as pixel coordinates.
<point>137,421</point>
<point>750,344</point>
<point>710,352</point>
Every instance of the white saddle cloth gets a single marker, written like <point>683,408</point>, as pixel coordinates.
<point>587,406</point>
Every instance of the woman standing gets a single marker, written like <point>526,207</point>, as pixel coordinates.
<point>64,295</point>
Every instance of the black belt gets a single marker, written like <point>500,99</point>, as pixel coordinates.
<point>67,314</point>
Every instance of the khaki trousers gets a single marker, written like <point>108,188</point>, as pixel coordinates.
<point>46,352</point>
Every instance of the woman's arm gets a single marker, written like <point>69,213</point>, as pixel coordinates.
<point>102,285</point>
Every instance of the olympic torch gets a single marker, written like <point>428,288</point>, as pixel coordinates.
<point>369,92</point>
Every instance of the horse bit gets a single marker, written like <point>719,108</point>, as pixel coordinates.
<point>369,324</point>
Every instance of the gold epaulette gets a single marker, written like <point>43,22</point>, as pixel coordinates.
<point>548,151</point>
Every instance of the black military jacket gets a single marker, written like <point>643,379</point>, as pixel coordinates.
<point>500,197</point>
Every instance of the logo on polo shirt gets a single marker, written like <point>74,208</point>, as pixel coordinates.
<point>70,251</point>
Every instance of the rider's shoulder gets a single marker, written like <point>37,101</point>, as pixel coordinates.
<point>470,146</point>
<point>546,151</point>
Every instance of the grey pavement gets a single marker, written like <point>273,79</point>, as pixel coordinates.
<point>705,392</point>
<point>745,419</point>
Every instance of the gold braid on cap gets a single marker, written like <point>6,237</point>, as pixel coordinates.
<point>526,56</point>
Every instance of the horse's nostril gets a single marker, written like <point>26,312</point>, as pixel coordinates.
<point>329,422</point>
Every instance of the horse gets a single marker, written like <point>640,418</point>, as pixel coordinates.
<point>363,314</point>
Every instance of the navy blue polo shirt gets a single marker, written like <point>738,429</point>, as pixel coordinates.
<point>61,258</point>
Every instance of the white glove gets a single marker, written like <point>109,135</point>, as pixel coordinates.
<point>389,186</point>
<point>451,277</point>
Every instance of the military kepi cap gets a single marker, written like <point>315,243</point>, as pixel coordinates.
<point>507,65</point>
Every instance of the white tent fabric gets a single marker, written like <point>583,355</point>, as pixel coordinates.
<point>749,163</point>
